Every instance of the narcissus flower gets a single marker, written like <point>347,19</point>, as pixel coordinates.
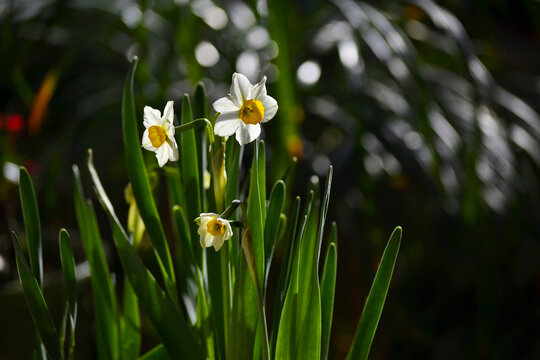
<point>213,230</point>
<point>159,134</point>
<point>243,110</point>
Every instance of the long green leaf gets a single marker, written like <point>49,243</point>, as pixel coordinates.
<point>31,223</point>
<point>375,301</point>
<point>186,245</point>
<point>106,308</point>
<point>156,353</point>
<point>200,110</point>
<point>68,269</point>
<point>256,209</point>
<point>328,288</point>
<point>271,226</point>
<point>233,162</point>
<point>140,183</point>
<point>309,300</point>
<point>290,328</point>
<point>244,314</point>
<point>190,172</point>
<point>165,316</point>
<point>130,324</point>
<point>70,288</point>
<point>284,274</point>
<point>36,303</point>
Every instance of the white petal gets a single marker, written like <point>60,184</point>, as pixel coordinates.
<point>169,129</point>
<point>246,133</point>
<point>173,154</point>
<point>151,117</point>
<point>270,107</point>
<point>218,242</point>
<point>225,104</point>
<point>162,154</point>
<point>240,89</point>
<point>207,240</point>
<point>168,113</point>
<point>209,216</point>
<point>228,230</point>
<point>146,143</point>
<point>259,90</point>
<point>227,123</point>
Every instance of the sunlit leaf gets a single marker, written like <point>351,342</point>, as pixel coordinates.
<point>375,301</point>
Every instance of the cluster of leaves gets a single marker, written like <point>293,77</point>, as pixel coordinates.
<point>223,316</point>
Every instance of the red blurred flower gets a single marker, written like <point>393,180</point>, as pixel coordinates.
<point>15,123</point>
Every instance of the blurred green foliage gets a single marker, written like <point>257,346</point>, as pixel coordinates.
<point>429,113</point>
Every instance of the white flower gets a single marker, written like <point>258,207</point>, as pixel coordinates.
<point>243,109</point>
<point>213,230</point>
<point>159,133</point>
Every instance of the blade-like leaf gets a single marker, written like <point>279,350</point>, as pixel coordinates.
<point>31,223</point>
<point>165,316</point>
<point>200,110</point>
<point>140,183</point>
<point>36,303</point>
<point>106,308</point>
<point>190,172</point>
<point>233,161</point>
<point>256,209</point>
<point>375,301</point>
<point>156,353</point>
<point>290,328</point>
<point>70,288</point>
<point>68,269</point>
<point>271,226</point>
<point>131,324</point>
<point>244,314</point>
<point>328,288</point>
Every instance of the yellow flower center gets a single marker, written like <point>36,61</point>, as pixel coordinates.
<point>252,112</point>
<point>157,135</point>
<point>215,227</point>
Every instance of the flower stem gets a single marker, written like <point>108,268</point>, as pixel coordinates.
<point>196,124</point>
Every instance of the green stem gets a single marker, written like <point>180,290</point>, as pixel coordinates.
<point>196,124</point>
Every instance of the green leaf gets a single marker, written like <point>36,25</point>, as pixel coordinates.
<point>190,172</point>
<point>106,308</point>
<point>285,272</point>
<point>328,288</point>
<point>324,210</point>
<point>309,301</point>
<point>262,335</point>
<point>200,110</point>
<point>291,328</point>
<point>70,288</point>
<point>165,316</point>
<point>36,303</point>
<point>130,324</point>
<point>271,226</point>
<point>167,319</point>
<point>233,162</point>
<point>256,208</point>
<point>68,269</point>
<point>375,301</point>
<point>140,183</point>
<point>244,314</point>
<point>156,353</point>
<point>31,223</point>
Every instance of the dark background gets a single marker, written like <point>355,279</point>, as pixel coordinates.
<point>428,112</point>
